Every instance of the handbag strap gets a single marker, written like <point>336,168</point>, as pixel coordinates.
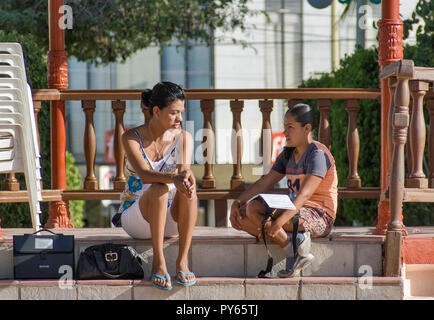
<point>43,229</point>
<point>262,273</point>
<point>294,233</point>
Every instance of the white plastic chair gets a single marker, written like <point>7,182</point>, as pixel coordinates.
<point>19,150</point>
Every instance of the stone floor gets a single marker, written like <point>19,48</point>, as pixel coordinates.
<point>301,288</point>
<point>336,278</point>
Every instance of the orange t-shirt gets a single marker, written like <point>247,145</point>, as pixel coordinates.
<point>317,160</point>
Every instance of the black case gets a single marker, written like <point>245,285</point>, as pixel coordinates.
<point>41,256</point>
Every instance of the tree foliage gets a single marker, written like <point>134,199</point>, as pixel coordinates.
<point>422,52</point>
<point>106,31</point>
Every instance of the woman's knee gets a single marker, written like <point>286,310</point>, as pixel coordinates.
<point>254,208</point>
<point>158,191</point>
<point>186,198</point>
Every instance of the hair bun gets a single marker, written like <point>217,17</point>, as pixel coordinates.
<point>146,97</point>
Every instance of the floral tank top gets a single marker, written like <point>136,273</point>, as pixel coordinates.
<point>135,188</point>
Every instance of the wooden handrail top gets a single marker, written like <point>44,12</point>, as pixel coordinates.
<point>424,74</point>
<point>406,69</point>
<point>400,68</point>
<point>212,94</point>
<point>203,194</point>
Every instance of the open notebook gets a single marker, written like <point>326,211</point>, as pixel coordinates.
<point>276,201</point>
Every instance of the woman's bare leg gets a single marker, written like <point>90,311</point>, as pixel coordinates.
<point>255,214</point>
<point>153,205</point>
<point>184,212</point>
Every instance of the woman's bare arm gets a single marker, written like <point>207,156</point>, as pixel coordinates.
<point>139,164</point>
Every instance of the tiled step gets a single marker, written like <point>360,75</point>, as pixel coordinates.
<point>418,281</point>
<point>301,288</point>
<point>226,252</point>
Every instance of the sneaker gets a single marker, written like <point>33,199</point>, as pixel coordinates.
<point>303,248</point>
<point>304,257</point>
<point>289,268</point>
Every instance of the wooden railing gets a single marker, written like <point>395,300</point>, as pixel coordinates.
<point>406,131</point>
<point>407,137</point>
<point>207,190</point>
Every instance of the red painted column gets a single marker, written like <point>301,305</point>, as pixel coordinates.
<point>57,79</point>
<point>390,49</point>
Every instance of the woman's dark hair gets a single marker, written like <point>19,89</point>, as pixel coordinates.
<point>303,114</point>
<point>162,95</point>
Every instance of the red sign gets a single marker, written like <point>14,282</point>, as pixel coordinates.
<point>278,144</point>
<point>109,146</point>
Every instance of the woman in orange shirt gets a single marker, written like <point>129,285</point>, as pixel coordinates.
<point>312,186</point>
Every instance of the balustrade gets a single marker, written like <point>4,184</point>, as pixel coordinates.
<point>406,127</point>
<point>208,188</point>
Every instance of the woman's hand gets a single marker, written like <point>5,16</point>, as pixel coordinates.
<point>185,182</point>
<point>272,228</point>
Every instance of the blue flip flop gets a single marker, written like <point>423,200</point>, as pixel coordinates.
<point>186,283</point>
<point>162,278</point>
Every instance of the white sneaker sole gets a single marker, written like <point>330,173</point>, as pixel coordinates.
<point>300,264</point>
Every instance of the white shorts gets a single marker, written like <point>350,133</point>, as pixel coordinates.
<point>138,228</point>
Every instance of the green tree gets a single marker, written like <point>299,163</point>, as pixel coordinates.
<point>105,31</point>
<point>73,182</point>
<point>422,52</point>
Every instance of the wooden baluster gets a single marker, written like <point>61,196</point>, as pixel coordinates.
<point>221,212</point>
<point>237,180</point>
<point>430,107</point>
<point>293,102</point>
<point>400,125</point>
<point>324,136</point>
<point>90,182</point>
<point>10,183</point>
<point>417,135</point>
<point>392,81</point>
<point>37,105</point>
<point>353,144</point>
<point>118,108</point>
<point>266,142</point>
<point>408,146</point>
<point>208,179</point>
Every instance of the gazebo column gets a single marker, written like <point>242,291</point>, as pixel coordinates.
<point>390,49</point>
<point>57,79</point>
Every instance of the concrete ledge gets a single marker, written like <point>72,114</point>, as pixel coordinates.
<point>213,288</point>
<point>346,253</point>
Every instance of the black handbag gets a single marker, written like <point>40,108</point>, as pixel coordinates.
<point>43,256</point>
<point>110,261</point>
